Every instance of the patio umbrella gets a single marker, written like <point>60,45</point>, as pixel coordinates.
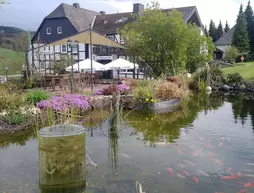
<point>85,65</point>
<point>121,64</point>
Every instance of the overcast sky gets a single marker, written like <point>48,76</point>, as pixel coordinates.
<point>28,14</point>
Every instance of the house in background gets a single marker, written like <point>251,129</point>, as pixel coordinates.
<point>68,20</point>
<point>222,44</point>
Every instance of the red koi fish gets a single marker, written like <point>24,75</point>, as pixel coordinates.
<point>203,173</point>
<point>185,172</point>
<point>222,139</point>
<point>249,185</point>
<point>180,176</point>
<point>228,169</point>
<point>218,162</point>
<point>221,144</point>
<point>170,171</point>
<point>212,155</point>
<point>179,150</point>
<point>195,179</point>
<point>243,191</point>
<point>197,153</point>
<point>190,163</point>
<point>232,177</point>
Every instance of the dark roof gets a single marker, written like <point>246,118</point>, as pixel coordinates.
<point>79,17</point>
<point>109,23</point>
<point>226,39</point>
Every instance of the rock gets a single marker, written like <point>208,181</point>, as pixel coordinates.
<point>100,102</point>
<point>226,87</point>
<point>243,86</point>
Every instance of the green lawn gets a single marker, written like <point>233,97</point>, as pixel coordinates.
<point>14,60</point>
<point>246,70</point>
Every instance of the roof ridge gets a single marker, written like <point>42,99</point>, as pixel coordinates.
<point>80,8</point>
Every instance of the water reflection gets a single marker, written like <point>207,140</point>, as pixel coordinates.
<point>160,129</point>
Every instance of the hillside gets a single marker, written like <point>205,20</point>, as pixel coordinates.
<point>13,59</point>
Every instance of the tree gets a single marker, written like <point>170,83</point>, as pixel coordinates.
<point>199,49</point>
<point>206,31</point>
<point>231,53</point>
<point>213,31</point>
<point>158,40</point>
<point>240,36</point>
<point>250,25</point>
<point>226,29</point>
<point>220,31</point>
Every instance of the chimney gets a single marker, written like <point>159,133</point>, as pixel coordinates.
<point>76,5</point>
<point>102,12</point>
<point>138,9</point>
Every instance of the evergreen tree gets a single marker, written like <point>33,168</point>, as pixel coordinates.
<point>226,29</point>
<point>250,25</point>
<point>206,31</point>
<point>212,31</point>
<point>240,36</point>
<point>220,31</point>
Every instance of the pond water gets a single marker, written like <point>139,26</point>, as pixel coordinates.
<point>205,146</point>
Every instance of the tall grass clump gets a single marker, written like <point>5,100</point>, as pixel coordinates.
<point>35,96</point>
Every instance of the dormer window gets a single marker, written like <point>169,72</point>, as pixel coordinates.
<point>59,30</point>
<point>48,31</point>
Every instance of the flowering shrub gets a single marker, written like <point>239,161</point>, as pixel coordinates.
<point>123,88</point>
<point>144,97</point>
<point>65,103</point>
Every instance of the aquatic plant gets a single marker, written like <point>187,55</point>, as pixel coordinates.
<point>35,96</point>
<point>144,97</point>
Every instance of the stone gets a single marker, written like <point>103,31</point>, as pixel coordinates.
<point>243,86</point>
<point>208,88</point>
<point>100,102</point>
<point>226,87</point>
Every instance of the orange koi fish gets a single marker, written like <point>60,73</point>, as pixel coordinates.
<point>212,155</point>
<point>185,172</point>
<point>249,185</point>
<point>170,171</point>
<point>203,173</point>
<point>243,191</point>
<point>196,153</point>
<point>190,163</point>
<point>221,144</point>
<point>222,139</point>
<point>195,179</point>
<point>218,162</point>
<point>179,150</point>
<point>228,169</point>
<point>232,177</point>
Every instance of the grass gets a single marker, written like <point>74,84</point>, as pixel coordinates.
<point>13,59</point>
<point>246,70</point>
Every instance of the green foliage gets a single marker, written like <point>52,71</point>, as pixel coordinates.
<point>196,57</point>
<point>29,83</point>
<point>231,53</point>
<point>220,31</point>
<point>144,96</point>
<point>250,25</point>
<point>240,36</point>
<point>226,29</point>
<point>11,100</point>
<point>159,40</point>
<point>15,118</point>
<point>35,96</point>
<point>213,31</point>
<point>206,31</point>
<point>235,78</point>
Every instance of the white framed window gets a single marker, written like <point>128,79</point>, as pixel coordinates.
<point>64,48</point>
<point>48,31</point>
<point>59,30</point>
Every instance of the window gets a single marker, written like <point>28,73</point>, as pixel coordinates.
<point>111,37</point>
<point>49,48</point>
<point>64,48</point>
<point>48,31</point>
<point>59,30</point>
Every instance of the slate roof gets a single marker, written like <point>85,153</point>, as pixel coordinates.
<point>79,17</point>
<point>109,23</point>
<point>226,39</point>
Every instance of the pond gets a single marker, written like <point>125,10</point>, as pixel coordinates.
<point>205,146</point>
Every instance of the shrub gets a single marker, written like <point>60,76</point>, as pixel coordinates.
<point>131,82</point>
<point>11,100</point>
<point>175,79</point>
<point>234,78</point>
<point>231,54</point>
<point>169,90</point>
<point>122,88</point>
<point>35,96</point>
<point>15,118</point>
<point>144,97</point>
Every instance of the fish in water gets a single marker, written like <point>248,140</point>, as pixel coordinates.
<point>203,173</point>
<point>180,176</point>
<point>195,179</point>
<point>248,175</point>
<point>197,153</point>
<point>221,144</point>
<point>185,172</point>
<point>250,164</point>
<point>170,171</point>
<point>212,155</point>
<point>190,163</point>
<point>179,150</point>
<point>231,177</point>
<point>124,155</point>
<point>218,162</point>
<point>222,139</point>
<point>228,169</point>
<point>249,185</point>
<point>246,170</point>
<point>243,191</point>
